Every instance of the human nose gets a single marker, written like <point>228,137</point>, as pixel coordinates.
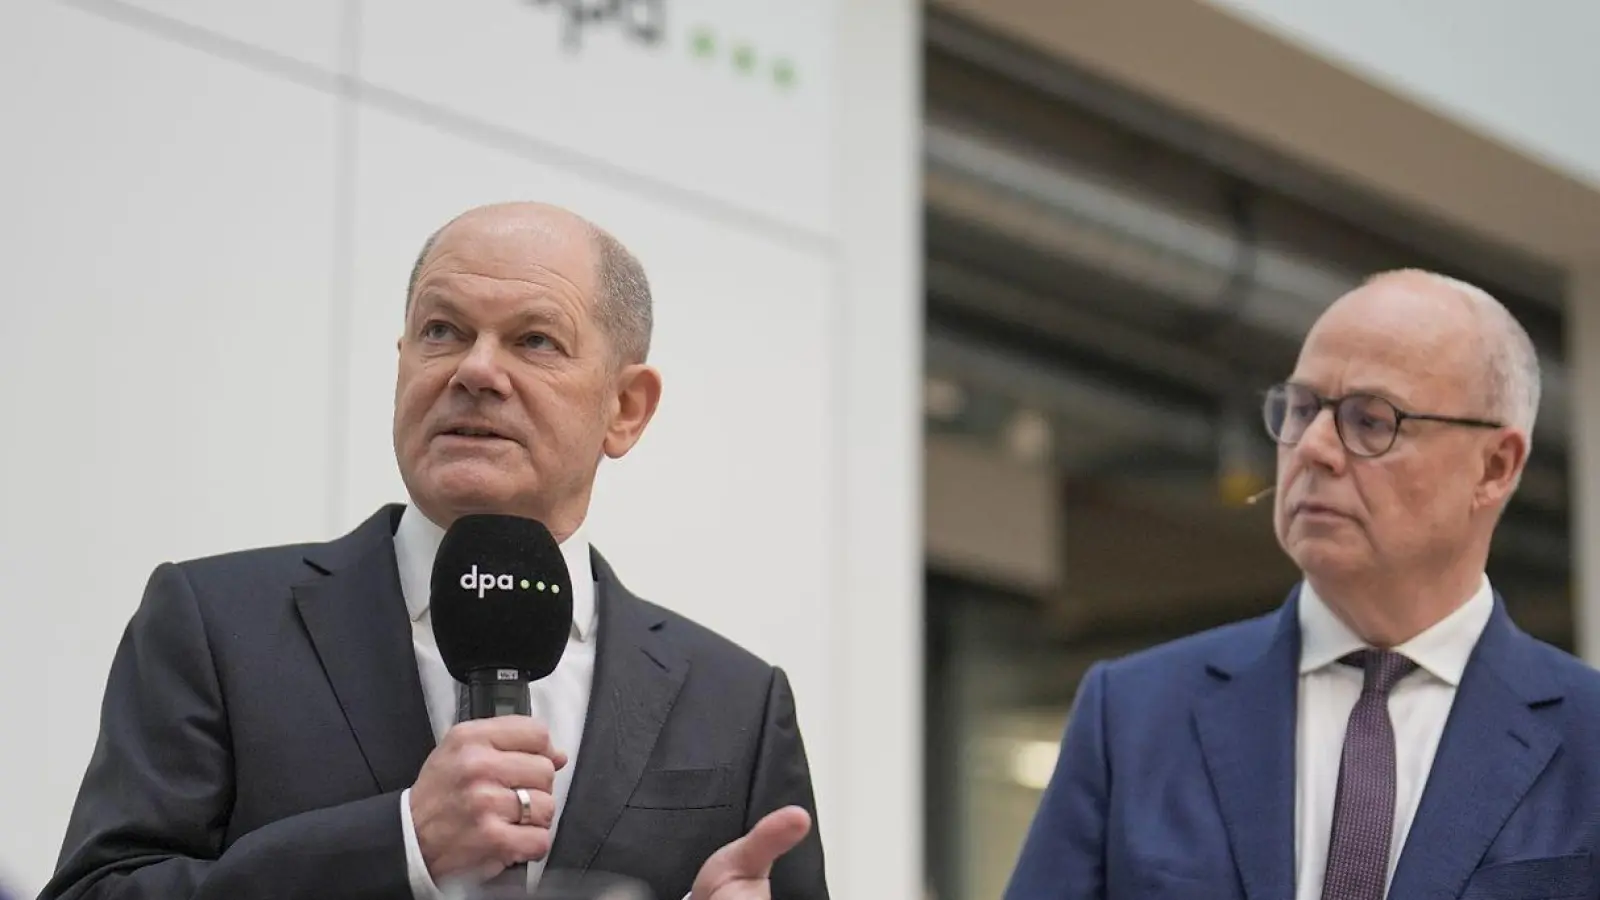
<point>480,370</point>
<point>1320,445</point>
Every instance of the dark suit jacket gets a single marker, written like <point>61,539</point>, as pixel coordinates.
<point>1177,776</point>
<point>264,712</point>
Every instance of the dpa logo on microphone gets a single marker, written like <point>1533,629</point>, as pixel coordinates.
<point>484,582</point>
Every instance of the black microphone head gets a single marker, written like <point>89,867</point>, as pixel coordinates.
<point>501,597</point>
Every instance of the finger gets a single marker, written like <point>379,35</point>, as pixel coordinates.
<point>479,763</point>
<point>777,833</point>
<point>520,771</point>
<point>508,807</point>
<point>515,844</point>
<point>522,734</point>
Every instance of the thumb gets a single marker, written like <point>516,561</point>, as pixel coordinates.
<point>751,857</point>
<point>777,833</point>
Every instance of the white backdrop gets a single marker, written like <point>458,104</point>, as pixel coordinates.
<point>211,212</point>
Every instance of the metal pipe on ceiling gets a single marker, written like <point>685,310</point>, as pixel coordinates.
<point>1043,204</point>
<point>1077,399</point>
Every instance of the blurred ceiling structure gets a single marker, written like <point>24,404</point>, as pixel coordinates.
<point>1105,302</point>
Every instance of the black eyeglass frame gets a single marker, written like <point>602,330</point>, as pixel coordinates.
<point>1337,403</point>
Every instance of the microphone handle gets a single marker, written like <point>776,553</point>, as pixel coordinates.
<point>498,692</point>
<point>491,693</point>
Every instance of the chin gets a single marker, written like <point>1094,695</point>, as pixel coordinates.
<point>1329,558</point>
<point>474,487</point>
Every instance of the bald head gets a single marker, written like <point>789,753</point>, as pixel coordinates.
<point>620,292</point>
<point>1461,331</point>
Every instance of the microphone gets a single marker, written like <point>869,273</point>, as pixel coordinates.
<point>501,599</point>
<point>502,609</point>
<point>1253,498</point>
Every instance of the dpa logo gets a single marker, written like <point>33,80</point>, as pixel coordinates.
<point>484,582</point>
<point>641,20</point>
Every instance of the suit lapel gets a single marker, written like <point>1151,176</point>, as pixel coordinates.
<point>356,617</point>
<point>1493,748</point>
<point>1247,735</point>
<point>638,674</point>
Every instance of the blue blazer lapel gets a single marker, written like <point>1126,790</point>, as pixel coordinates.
<point>1493,748</point>
<point>1247,735</point>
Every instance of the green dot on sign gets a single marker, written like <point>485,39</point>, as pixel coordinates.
<point>703,43</point>
<point>524,584</point>
<point>541,585</point>
<point>744,58</point>
<point>555,588</point>
<point>783,73</point>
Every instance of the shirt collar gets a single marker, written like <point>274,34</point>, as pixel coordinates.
<point>416,543</point>
<point>1442,650</point>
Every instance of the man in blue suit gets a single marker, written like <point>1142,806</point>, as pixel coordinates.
<point>1388,731</point>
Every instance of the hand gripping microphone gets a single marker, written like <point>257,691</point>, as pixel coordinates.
<point>502,609</point>
<point>501,599</point>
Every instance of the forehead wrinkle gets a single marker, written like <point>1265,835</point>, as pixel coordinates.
<point>525,305</point>
<point>534,285</point>
<point>539,281</point>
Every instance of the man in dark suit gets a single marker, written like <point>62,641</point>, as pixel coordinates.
<point>278,723</point>
<point>1388,731</point>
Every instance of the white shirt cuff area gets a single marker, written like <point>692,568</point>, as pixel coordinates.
<point>422,886</point>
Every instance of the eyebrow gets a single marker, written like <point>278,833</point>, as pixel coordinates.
<point>543,313</point>
<point>1361,388</point>
<point>1385,393</point>
<point>433,300</point>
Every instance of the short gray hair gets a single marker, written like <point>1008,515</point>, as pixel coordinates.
<point>622,304</point>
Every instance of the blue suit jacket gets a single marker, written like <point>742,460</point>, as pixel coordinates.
<point>1177,776</point>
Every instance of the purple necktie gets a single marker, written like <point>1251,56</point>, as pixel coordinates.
<point>1363,813</point>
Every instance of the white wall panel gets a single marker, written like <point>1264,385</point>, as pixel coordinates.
<point>651,108</point>
<point>876,652</point>
<point>168,259</point>
<point>723,511</point>
<point>306,31</point>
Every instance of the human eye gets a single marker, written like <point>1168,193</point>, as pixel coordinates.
<point>538,341</point>
<point>1373,416</point>
<point>1303,408</point>
<point>436,331</point>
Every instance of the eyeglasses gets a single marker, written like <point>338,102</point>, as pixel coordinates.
<point>1368,425</point>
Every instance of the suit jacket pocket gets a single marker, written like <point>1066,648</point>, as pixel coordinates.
<point>1550,878</point>
<point>683,789</point>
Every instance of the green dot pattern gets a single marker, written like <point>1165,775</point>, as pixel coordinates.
<point>745,59</point>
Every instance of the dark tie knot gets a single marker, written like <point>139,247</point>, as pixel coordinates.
<point>1383,669</point>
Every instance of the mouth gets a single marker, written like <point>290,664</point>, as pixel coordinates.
<point>1319,510</point>
<point>476,432</point>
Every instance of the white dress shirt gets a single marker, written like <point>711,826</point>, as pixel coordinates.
<point>1418,707</point>
<point>560,700</point>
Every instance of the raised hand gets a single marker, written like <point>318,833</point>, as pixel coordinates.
<point>741,870</point>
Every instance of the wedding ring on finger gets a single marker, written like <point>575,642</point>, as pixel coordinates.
<point>525,800</point>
